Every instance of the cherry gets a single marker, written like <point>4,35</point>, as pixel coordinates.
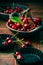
<point>19,57</point>
<point>17,53</point>
<point>38,19</point>
<point>29,20</point>
<point>14,26</point>
<point>10,25</point>
<point>7,38</point>
<point>19,25</point>
<point>9,41</point>
<point>25,20</point>
<point>10,11</point>
<point>27,43</point>
<point>25,26</point>
<point>32,26</point>
<point>22,18</point>
<point>9,21</point>
<point>23,46</point>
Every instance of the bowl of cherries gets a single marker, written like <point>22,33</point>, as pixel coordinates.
<point>24,25</point>
<point>7,9</point>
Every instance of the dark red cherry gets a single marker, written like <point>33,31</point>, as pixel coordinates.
<point>22,17</point>
<point>23,46</point>
<point>25,20</point>
<point>14,26</point>
<point>9,41</point>
<point>7,38</point>
<point>19,25</point>
<point>19,57</point>
<point>9,21</point>
<point>26,26</point>
<point>18,53</point>
<point>27,43</point>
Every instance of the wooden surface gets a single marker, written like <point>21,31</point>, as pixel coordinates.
<point>36,11</point>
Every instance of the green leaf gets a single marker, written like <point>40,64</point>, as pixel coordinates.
<point>16,19</point>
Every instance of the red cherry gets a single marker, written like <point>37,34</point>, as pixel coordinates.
<point>10,11</point>
<point>23,46</point>
<point>26,26</point>
<point>25,20</point>
<point>29,20</point>
<point>38,19</point>
<point>9,41</point>
<point>7,38</point>
<point>9,21</point>
<point>22,17</point>
<point>27,43</point>
<point>14,26</point>
<point>19,25</point>
<point>17,53</point>
<point>19,57</point>
<point>10,25</point>
<point>31,26</point>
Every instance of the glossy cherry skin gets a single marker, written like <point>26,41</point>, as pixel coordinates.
<point>19,25</point>
<point>19,57</point>
<point>25,26</point>
<point>23,46</point>
<point>18,53</point>
<point>7,38</point>
<point>14,26</point>
<point>9,41</point>
<point>9,21</point>
<point>27,42</point>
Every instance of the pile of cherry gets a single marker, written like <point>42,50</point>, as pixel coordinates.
<point>28,23</point>
<point>9,10</point>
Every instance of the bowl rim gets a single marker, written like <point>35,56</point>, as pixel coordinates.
<point>23,31</point>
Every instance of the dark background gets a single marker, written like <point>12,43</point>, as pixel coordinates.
<point>21,1</point>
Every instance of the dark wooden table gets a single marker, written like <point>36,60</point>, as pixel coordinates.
<point>36,11</point>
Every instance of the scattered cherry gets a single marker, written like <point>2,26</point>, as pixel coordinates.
<point>18,53</point>
<point>7,38</point>
<point>9,41</point>
<point>19,57</point>
<point>27,43</point>
<point>23,46</point>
